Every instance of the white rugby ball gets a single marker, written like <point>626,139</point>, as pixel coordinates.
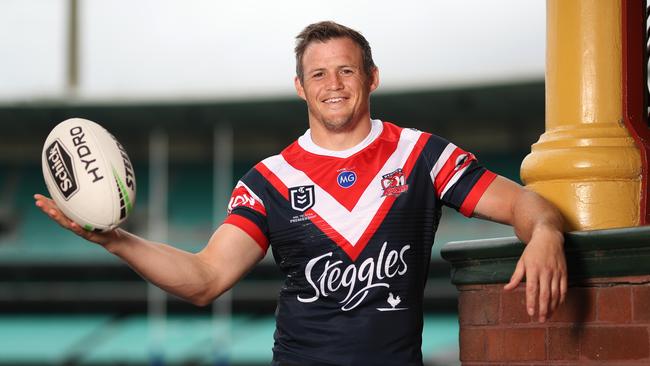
<point>88,174</point>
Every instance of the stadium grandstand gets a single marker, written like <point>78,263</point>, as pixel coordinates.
<point>65,301</point>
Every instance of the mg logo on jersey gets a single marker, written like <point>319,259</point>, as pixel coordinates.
<point>302,198</point>
<point>393,183</point>
<point>346,179</point>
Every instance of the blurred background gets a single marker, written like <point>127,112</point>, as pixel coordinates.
<point>198,91</point>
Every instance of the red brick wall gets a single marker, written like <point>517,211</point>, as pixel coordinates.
<point>603,321</point>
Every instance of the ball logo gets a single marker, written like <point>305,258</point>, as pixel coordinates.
<point>60,165</point>
<point>85,155</point>
<point>346,179</point>
<point>128,168</point>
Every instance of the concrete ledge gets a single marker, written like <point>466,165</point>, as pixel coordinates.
<point>590,254</point>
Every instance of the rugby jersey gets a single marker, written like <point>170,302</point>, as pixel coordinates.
<point>352,232</point>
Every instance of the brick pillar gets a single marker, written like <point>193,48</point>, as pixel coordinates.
<point>605,319</point>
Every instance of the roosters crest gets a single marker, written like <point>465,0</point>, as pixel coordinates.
<point>393,183</point>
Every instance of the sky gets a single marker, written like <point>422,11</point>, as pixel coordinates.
<point>142,50</point>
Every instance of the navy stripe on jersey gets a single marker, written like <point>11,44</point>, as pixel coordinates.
<point>456,195</point>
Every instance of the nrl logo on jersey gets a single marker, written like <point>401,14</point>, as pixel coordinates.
<point>393,183</point>
<point>302,198</point>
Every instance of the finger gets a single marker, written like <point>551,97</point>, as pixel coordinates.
<point>45,204</point>
<point>38,196</point>
<point>532,287</point>
<point>58,216</point>
<point>563,286</point>
<point>49,207</point>
<point>41,200</point>
<point>516,277</point>
<point>77,229</point>
<point>544,296</point>
<point>555,294</point>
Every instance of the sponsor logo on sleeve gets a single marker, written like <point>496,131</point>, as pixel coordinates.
<point>461,160</point>
<point>242,197</point>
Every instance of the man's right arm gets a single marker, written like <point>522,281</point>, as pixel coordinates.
<point>198,278</point>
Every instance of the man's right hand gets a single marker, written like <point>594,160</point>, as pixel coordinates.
<point>197,277</point>
<point>49,207</point>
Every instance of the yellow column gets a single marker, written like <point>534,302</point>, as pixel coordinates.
<point>586,162</point>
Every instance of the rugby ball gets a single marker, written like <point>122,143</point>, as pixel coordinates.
<point>88,174</point>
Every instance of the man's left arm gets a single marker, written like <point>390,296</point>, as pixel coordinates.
<point>540,226</point>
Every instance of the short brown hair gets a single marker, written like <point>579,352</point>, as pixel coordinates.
<point>324,31</point>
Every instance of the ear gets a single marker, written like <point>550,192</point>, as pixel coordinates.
<point>374,79</point>
<point>299,89</point>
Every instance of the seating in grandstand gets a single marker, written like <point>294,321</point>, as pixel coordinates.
<point>103,339</point>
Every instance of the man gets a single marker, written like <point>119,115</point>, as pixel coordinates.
<point>350,211</point>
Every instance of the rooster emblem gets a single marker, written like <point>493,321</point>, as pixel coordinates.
<point>393,301</point>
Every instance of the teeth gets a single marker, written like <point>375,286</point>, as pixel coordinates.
<point>333,100</point>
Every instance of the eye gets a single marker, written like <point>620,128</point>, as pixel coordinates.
<point>347,71</point>
<point>317,75</point>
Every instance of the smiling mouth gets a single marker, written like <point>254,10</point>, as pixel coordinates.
<point>334,100</point>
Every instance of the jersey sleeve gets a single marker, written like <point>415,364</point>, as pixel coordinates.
<point>457,177</point>
<point>246,211</point>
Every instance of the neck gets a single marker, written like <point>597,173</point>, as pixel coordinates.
<point>341,139</point>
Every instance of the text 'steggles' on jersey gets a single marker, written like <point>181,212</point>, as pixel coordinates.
<point>352,231</point>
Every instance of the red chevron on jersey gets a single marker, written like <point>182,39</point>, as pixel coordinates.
<point>325,171</point>
<point>350,226</point>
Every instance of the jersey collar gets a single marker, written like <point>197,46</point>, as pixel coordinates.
<point>305,142</point>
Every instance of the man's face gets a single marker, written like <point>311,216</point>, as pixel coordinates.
<point>335,85</point>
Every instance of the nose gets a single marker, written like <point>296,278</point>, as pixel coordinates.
<point>334,81</point>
